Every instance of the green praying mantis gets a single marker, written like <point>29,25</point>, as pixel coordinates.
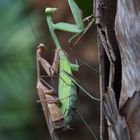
<point>60,105</point>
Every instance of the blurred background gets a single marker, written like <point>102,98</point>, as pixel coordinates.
<point>22,28</point>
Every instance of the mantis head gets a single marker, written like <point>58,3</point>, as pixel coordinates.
<point>42,47</point>
<point>50,11</point>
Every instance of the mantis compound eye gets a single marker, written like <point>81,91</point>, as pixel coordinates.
<point>50,11</point>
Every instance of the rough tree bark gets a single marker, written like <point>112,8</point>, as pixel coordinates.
<point>119,53</point>
<point>127,29</point>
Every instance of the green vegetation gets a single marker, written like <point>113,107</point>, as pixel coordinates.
<point>16,70</point>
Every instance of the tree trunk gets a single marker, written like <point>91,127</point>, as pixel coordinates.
<point>127,29</point>
<point>119,68</point>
